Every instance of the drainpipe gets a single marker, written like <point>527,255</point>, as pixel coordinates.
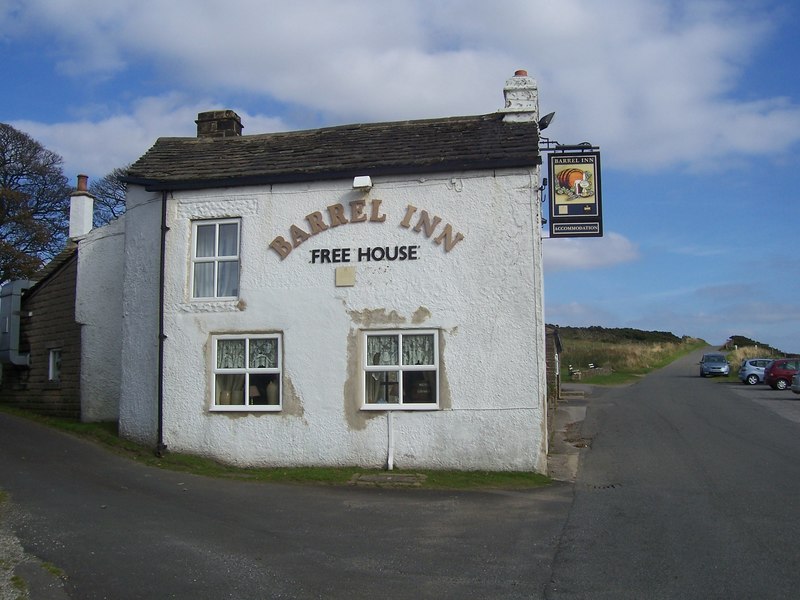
<point>161,448</point>
<point>390,426</point>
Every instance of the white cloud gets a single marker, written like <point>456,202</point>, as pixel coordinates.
<point>570,254</point>
<point>96,148</point>
<point>652,83</point>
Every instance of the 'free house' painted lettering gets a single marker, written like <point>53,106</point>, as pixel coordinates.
<point>361,213</point>
<point>374,254</point>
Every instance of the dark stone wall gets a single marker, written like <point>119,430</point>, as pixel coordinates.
<point>48,322</point>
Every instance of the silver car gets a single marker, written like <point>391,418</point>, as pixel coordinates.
<point>751,371</point>
<point>714,364</point>
<point>796,383</point>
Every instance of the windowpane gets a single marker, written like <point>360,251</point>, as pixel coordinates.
<point>54,366</point>
<point>382,350</point>
<point>383,387</point>
<point>228,239</point>
<point>419,387</point>
<point>264,389</point>
<point>206,235</point>
<point>263,353</point>
<point>228,281</point>
<point>418,350</point>
<point>229,389</point>
<point>203,280</point>
<point>230,354</point>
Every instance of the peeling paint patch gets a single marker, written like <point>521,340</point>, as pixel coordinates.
<point>445,399</point>
<point>420,315</point>
<point>292,402</point>
<point>356,418</point>
<point>370,317</point>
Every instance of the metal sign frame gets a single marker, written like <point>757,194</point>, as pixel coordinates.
<point>575,193</point>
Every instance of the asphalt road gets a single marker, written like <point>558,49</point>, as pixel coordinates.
<point>689,489</point>
<point>120,530</point>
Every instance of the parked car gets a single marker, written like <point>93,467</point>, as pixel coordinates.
<point>778,375</point>
<point>751,371</point>
<point>796,383</point>
<point>714,364</point>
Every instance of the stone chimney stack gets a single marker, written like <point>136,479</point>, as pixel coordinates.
<point>522,99</point>
<point>218,124</point>
<point>81,209</point>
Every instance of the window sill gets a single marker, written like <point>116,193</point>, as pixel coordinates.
<point>210,305</point>
<point>387,406</point>
<point>241,408</point>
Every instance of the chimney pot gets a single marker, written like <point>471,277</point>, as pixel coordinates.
<point>522,98</point>
<point>81,209</point>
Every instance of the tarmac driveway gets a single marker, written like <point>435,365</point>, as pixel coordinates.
<point>120,530</point>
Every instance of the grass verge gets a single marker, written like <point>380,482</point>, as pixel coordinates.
<point>106,435</point>
<point>628,361</point>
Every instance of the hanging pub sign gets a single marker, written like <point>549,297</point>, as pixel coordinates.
<point>575,208</point>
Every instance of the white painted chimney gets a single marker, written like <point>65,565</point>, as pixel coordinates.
<point>81,209</point>
<point>522,99</point>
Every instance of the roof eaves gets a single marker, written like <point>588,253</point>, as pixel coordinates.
<point>169,184</point>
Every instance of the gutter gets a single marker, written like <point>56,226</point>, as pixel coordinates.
<point>156,183</point>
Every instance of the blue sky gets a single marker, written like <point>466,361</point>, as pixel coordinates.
<point>694,104</point>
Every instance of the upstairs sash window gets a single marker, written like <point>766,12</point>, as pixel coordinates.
<point>215,259</point>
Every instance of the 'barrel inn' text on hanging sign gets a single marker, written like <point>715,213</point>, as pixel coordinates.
<point>361,212</point>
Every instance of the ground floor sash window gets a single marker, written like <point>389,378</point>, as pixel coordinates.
<point>401,369</point>
<point>247,372</point>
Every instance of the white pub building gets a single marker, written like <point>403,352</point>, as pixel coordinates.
<point>365,295</point>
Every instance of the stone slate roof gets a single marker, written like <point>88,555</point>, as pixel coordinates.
<point>69,253</point>
<point>423,146</point>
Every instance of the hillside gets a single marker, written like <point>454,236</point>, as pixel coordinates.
<point>740,341</point>
<point>628,353</point>
<point>617,335</point>
<point>619,354</point>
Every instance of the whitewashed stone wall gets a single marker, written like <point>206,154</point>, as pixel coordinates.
<point>98,308</point>
<point>484,296</point>
<point>138,410</point>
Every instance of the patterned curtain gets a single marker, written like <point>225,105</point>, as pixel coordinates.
<point>230,354</point>
<point>382,350</point>
<point>263,353</point>
<point>418,349</point>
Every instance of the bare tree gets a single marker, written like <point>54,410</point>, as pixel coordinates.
<point>34,204</point>
<point>109,193</point>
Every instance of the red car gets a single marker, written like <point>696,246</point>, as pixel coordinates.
<point>778,375</point>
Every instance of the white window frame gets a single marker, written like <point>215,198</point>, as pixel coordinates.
<point>216,259</point>
<point>400,369</point>
<point>54,357</point>
<point>247,371</point>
